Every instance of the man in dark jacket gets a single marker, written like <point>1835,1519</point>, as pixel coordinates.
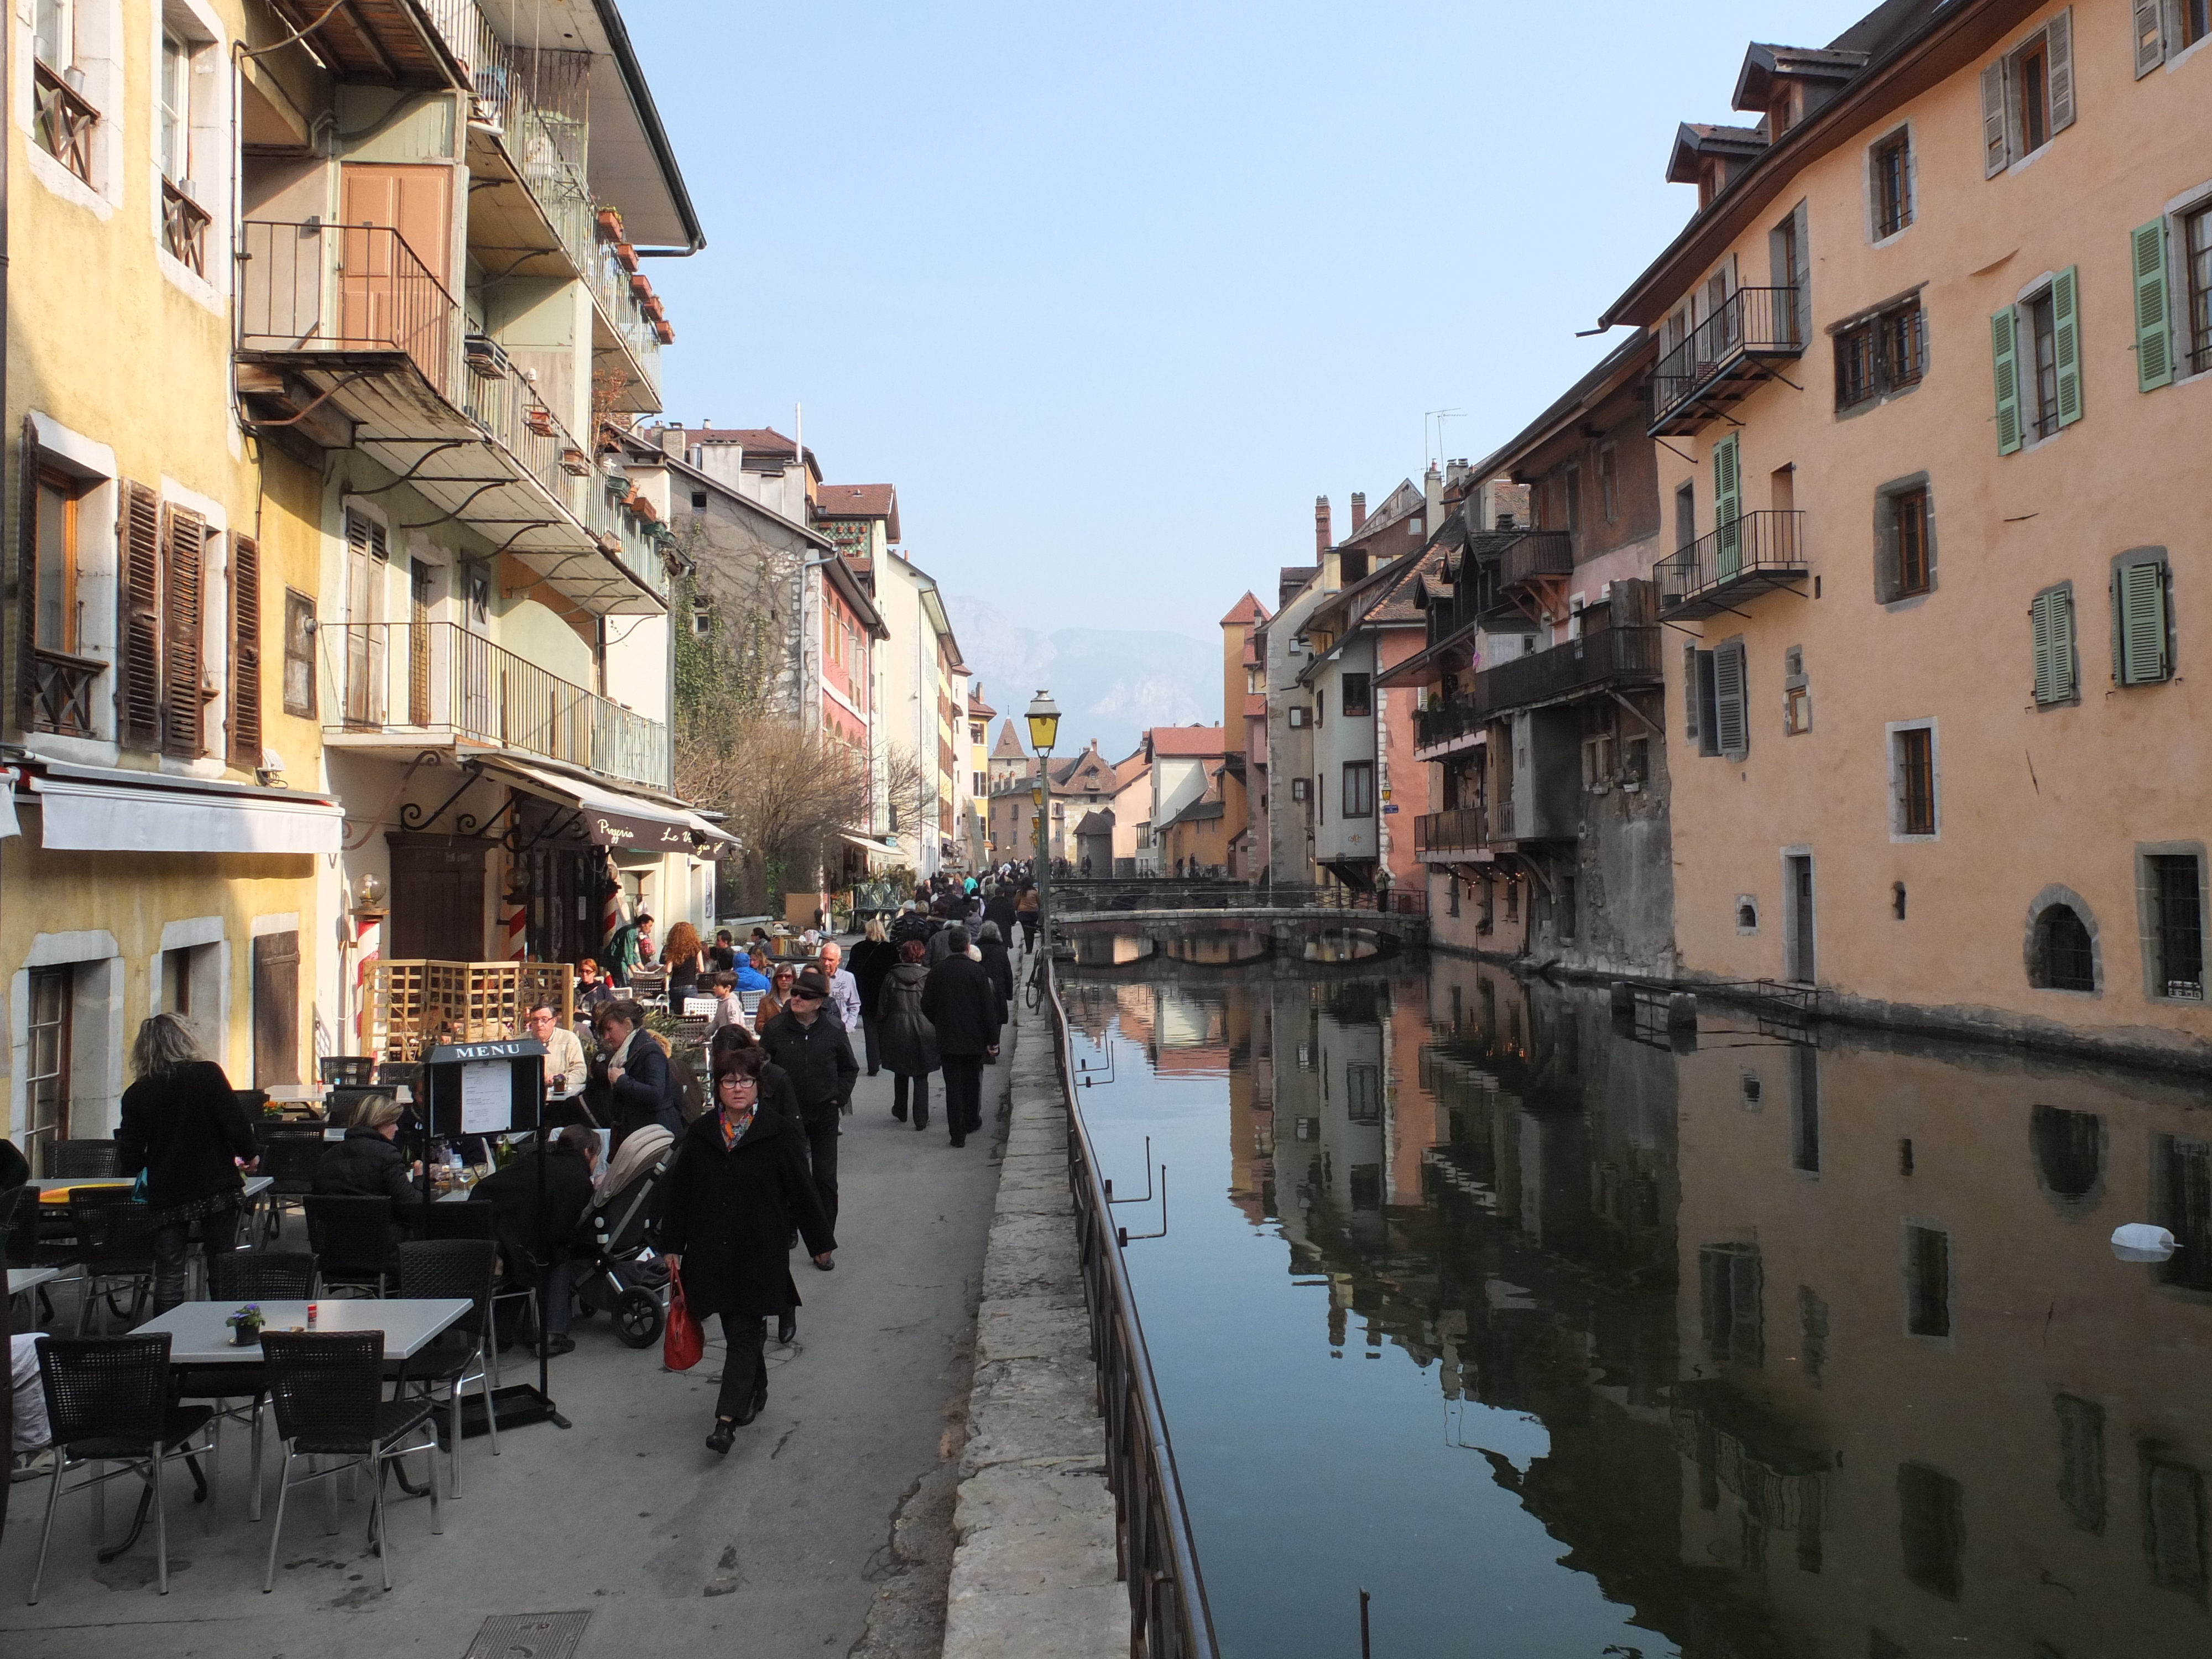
<point>807,1041</point>
<point>526,1242</point>
<point>963,1006</point>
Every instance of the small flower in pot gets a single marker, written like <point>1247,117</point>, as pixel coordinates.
<point>245,1326</point>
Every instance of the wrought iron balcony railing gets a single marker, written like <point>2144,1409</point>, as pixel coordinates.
<point>1442,723</point>
<point>1722,356</point>
<point>430,680</point>
<point>1746,555</point>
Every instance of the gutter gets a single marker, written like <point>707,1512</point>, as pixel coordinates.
<point>649,115</point>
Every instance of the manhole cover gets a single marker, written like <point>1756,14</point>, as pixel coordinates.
<point>528,1635</point>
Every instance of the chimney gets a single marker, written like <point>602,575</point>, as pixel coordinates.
<point>671,442</point>
<point>1322,540</point>
<point>1359,510</point>
<point>1455,472</point>
<point>1432,500</point>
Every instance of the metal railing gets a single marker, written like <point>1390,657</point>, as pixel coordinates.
<point>1446,721</point>
<point>1600,657</point>
<point>1762,542</point>
<point>1750,322</point>
<point>1462,826</point>
<point>421,679</point>
<point>1154,1553</point>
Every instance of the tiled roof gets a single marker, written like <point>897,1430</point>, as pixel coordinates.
<point>1009,747</point>
<point>1255,703</point>
<point>1246,609</point>
<point>1192,742</point>
<point>876,501</point>
<point>1401,503</point>
<point>976,707</point>
<point>1126,772</point>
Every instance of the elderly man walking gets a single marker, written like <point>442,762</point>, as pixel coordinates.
<point>844,989</point>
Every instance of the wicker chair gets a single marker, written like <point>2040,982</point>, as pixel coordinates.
<point>107,1401</point>
<point>81,1160</point>
<point>457,1219</point>
<point>245,1276</point>
<point>455,1268</point>
<point>351,1238</point>
<point>290,1162</point>
<point>115,1245</point>
<point>328,1387</point>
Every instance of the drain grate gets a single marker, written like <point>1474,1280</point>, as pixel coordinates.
<point>528,1635</point>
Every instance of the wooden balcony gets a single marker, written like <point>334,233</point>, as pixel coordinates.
<point>61,692</point>
<point>1744,557</point>
<point>1459,835</point>
<point>1745,343</point>
<point>184,227</point>
<point>1447,727</point>
<point>1606,658</point>
<point>62,120</point>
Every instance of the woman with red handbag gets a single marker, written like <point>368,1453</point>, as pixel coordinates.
<point>739,1186</point>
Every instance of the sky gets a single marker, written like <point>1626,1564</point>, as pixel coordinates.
<point>1111,293</point>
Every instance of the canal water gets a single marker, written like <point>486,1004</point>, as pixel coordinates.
<point>1565,1336</point>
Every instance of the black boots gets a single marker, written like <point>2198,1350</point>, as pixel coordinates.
<point>724,1434</point>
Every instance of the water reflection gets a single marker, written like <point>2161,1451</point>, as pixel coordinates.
<point>1770,1348</point>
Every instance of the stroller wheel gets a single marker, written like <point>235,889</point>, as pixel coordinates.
<point>637,1318</point>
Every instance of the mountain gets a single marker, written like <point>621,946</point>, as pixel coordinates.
<point>1111,684</point>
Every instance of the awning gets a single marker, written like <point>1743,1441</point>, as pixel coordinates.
<point>99,810</point>
<point>624,822</point>
<point>8,824</point>
<point>869,844</point>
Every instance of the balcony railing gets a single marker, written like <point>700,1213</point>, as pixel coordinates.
<point>1722,356</point>
<point>184,227</point>
<point>1607,656</point>
<point>1534,556</point>
<point>1446,832</point>
<point>61,691</point>
<point>1445,722</point>
<point>1746,555</point>
<point>63,121</point>
<point>428,680</point>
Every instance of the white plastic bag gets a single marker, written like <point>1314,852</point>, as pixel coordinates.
<point>2140,1240</point>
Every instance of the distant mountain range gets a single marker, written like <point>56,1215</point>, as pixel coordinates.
<point>1111,684</point>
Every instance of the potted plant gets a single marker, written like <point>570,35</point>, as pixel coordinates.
<point>245,1326</point>
<point>664,331</point>
<point>575,463</point>
<point>625,256</point>
<point>610,224</point>
<point>540,419</point>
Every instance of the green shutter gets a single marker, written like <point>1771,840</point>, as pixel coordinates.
<point>1728,508</point>
<point>2052,619</point>
<point>2004,329</point>
<point>2038,621</point>
<point>2139,622</point>
<point>2154,342</point>
<point>2066,342</point>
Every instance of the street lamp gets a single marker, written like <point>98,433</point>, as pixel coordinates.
<point>1043,717</point>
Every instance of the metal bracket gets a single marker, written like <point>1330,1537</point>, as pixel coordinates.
<point>1124,1235</point>
<point>413,818</point>
<point>1147,1198</point>
<point>1657,730</point>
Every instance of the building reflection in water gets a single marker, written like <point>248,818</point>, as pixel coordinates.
<point>1830,1349</point>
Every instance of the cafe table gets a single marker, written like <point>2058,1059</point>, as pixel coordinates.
<point>255,1185</point>
<point>22,1281</point>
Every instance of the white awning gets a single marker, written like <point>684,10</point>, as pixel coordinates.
<point>78,815</point>
<point>7,824</point>
<point>867,844</point>
<point>623,822</point>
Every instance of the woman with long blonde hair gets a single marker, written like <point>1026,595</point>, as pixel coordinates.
<point>182,1125</point>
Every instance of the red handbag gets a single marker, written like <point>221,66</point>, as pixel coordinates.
<point>683,1343</point>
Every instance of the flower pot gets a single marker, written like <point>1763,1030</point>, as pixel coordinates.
<point>245,1336</point>
<point>610,224</point>
<point>626,255</point>
<point>575,464</point>
<point>665,332</point>
<point>640,287</point>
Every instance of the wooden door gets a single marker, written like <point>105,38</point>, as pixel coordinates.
<point>437,900</point>
<point>46,1081</point>
<point>393,252</point>
<point>1801,938</point>
<point>276,1009</point>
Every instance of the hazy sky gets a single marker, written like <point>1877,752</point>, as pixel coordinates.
<point>1112,293</point>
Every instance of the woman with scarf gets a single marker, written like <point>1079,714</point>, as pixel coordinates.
<point>641,1084</point>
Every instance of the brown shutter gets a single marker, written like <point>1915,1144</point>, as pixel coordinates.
<point>138,688</point>
<point>245,653</point>
<point>183,732</point>
<point>27,581</point>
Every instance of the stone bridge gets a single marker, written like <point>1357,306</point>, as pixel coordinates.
<point>1218,924</point>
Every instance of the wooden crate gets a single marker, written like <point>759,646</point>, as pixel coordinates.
<point>413,1006</point>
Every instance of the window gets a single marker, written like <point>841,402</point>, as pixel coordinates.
<point>1297,788</point>
<point>1908,512</point>
<point>1701,717</point>
<point>2197,244</point>
<point>1913,766</point>
<point>1746,914</point>
<point>2032,67</point>
<point>175,95</point>
<point>2142,625</point>
<point>63,118</point>
<point>2175,891</point>
<point>1597,764</point>
<point>1905,539</point>
<point>1608,482</point>
<point>2064,958</point>
<point>2043,382</point>
<point>2165,29</point>
<point>47,1075</point>
<point>1796,694</point>
<point>975,731</point>
<point>1927,1281</point>
<point>2082,1461</point>
<point>1360,789</point>
<point>2050,624</point>
<point>1574,490</point>
<point>2174,1510</point>
<point>1685,516</point>
<point>1363,1092</point>
<point>299,654</point>
<point>2027,95</point>
<point>1358,698</point>
<point>1880,355</point>
<point>1805,1110</point>
<point>1893,184</point>
<point>60,610</point>
<point>1729,1284</point>
<point>1931,1529</point>
<point>2195,18</point>
<point>1635,763</point>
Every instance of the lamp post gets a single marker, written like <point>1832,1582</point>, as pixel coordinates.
<point>1043,717</point>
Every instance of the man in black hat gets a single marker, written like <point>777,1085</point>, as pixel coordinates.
<point>811,1046</point>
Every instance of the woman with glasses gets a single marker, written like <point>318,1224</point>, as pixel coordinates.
<point>738,1188</point>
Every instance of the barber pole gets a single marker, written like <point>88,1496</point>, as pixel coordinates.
<point>610,911</point>
<point>368,944</point>
<point>517,917</point>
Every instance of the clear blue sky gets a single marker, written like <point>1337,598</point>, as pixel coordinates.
<point>1112,293</point>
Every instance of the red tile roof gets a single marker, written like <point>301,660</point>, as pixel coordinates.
<point>876,500</point>
<point>1246,609</point>
<point>1193,741</point>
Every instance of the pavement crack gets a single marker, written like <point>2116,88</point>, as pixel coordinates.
<point>782,1444</point>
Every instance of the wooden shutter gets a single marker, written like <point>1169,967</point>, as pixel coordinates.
<point>2150,36</point>
<point>139,685</point>
<point>1731,723</point>
<point>245,653</point>
<point>2139,621</point>
<point>2066,342</point>
<point>2004,330</point>
<point>2059,38</point>
<point>1994,148</point>
<point>2153,337</point>
<point>182,723</point>
<point>2051,621</point>
<point>276,1009</point>
<point>26,580</point>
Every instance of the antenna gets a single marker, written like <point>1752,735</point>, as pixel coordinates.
<point>1438,415</point>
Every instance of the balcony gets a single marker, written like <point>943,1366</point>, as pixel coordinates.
<point>184,227</point>
<point>1460,835</point>
<point>1735,348</point>
<point>1603,660</point>
<point>1534,556</point>
<point>409,685</point>
<point>62,120</point>
<point>61,692</point>
<point>1743,558</point>
<point>1446,727</point>
<point>346,338</point>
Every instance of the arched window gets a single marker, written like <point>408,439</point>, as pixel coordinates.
<point>2064,954</point>
<point>2070,1156</point>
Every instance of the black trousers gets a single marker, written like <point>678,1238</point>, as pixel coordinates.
<point>822,1149</point>
<point>964,1093</point>
<point>745,1370</point>
<point>919,1080</point>
<point>868,1032</point>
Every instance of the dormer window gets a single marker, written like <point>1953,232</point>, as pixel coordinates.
<point>1782,109</point>
<point>1712,179</point>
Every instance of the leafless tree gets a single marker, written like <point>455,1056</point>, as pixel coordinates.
<point>786,793</point>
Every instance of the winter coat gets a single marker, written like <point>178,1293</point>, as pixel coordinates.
<point>186,1131</point>
<point>905,1039</point>
<point>1000,965</point>
<point>963,1005</point>
<point>647,1091</point>
<point>820,1058</point>
<point>871,961</point>
<point>729,1214</point>
<point>513,1194</point>
<point>913,924</point>
<point>365,1165</point>
<point>1000,910</point>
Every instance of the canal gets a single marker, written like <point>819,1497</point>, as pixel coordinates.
<point>1566,1337</point>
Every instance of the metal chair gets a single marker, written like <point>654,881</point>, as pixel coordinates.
<point>107,1401</point>
<point>455,1268</point>
<point>80,1160</point>
<point>328,1387</point>
<point>115,1244</point>
<point>351,1238</point>
<point>354,1071</point>
<point>290,1162</point>
<point>246,1276</point>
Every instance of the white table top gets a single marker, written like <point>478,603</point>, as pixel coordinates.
<point>199,1337</point>
<point>20,1280</point>
<point>255,1184</point>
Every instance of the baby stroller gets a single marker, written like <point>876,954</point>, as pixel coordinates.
<point>616,1274</point>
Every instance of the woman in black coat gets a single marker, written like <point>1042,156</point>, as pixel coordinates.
<point>909,1043</point>
<point>871,963</point>
<point>776,1094</point>
<point>181,1124</point>
<point>641,1086</point>
<point>998,963</point>
<point>738,1187</point>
